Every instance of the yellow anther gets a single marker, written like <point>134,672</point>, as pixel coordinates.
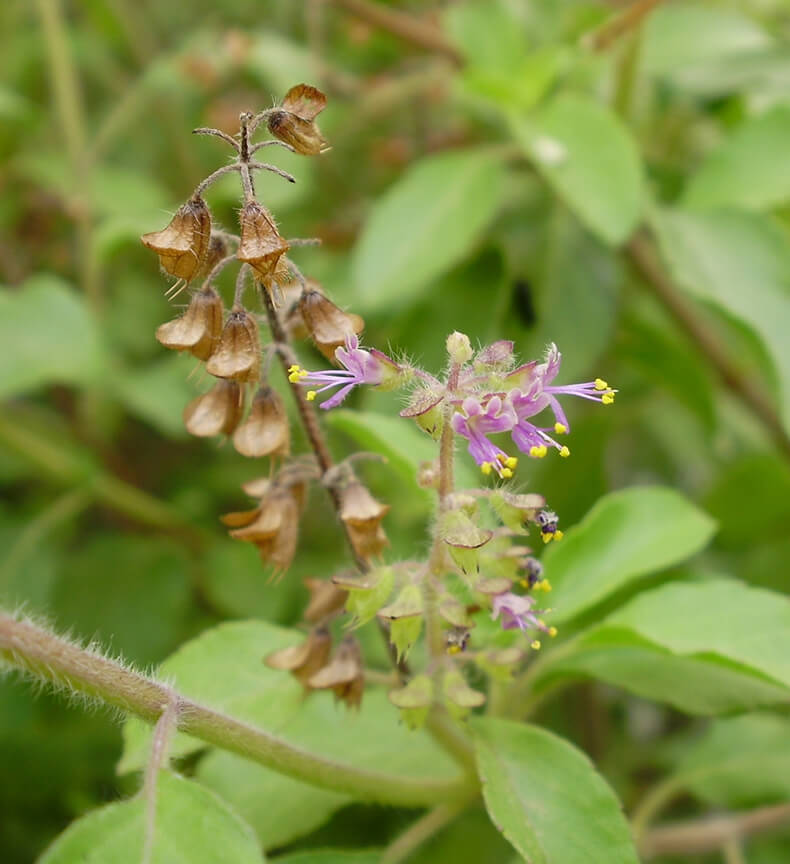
<point>607,398</point>
<point>560,428</point>
<point>552,632</point>
<point>507,473</point>
<point>558,535</point>
<point>486,468</point>
<point>523,583</point>
<point>453,649</point>
<point>294,367</point>
<point>293,377</point>
<point>310,395</point>
<point>535,645</point>
<point>501,457</point>
<point>547,538</point>
<point>545,585</point>
<point>600,384</point>
<point>543,450</point>
<point>564,452</point>
<point>511,461</point>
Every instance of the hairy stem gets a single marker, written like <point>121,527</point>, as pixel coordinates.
<point>60,662</point>
<point>164,730</point>
<point>644,255</point>
<point>620,24</point>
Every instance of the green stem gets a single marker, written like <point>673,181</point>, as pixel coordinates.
<point>421,831</point>
<point>60,662</point>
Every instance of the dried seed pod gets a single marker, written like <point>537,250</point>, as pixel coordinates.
<point>305,659</point>
<point>344,676</point>
<point>216,412</point>
<point>198,329</point>
<point>294,123</point>
<point>325,599</point>
<point>273,526</point>
<point>183,245</point>
<point>261,245</point>
<point>327,324</point>
<point>238,353</point>
<point>362,515</point>
<point>266,431</point>
<point>217,250</point>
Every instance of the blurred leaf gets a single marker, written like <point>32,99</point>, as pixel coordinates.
<point>705,648</point>
<point>626,535</point>
<point>48,335</point>
<point>470,838</point>
<point>590,159</point>
<point>547,798</point>
<point>131,593</point>
<point>425,223</point>
<point>672,45</point>
<point>741,263</point>
<point>739,762</point>
<point>280,63</point>
<point>331,856</point>
<point>749,170</point>
<point>192,825</point>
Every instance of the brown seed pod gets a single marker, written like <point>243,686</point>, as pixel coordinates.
<point>327,324</point>
<point>305,659</point>
<point>362,515</point>
<point>344,676</point>
<point>183,245</point>
<point>326,598</point>
<point>261,245</point>
<point>216,412</point>
<point>198,329</point>
<point>294,121</point>
<point>217,250</point>
<point>238,354</point>
<point>266,431</point>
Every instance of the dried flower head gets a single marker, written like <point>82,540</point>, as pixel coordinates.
<point>216,412</point>
<point>261,245</point>
<point>326,599</point>
<point>238,353</point>
<point>198,329</point>
<point>327,324</point>
<point>344,676</point>
<point>362,515</point>
<point>266,431</point>
<point>304,659</point>
<point>294,121</point>
<point>183,245</point>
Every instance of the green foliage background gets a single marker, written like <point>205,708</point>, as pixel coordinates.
<point>499,197</point>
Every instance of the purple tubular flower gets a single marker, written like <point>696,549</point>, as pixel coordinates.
<point>476,423</point>
<point>359,367</point>
<point>517,613</point>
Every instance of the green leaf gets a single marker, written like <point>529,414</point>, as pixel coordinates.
<point>738,762</point>
<point>224,668</point>
<point>749,170</point>
<point>425,223</point>
<point>48,336</point>
<point>332,856</point>
<point>741,264</point>
<point>626,535</point>
<point>546,797</point>
<point>192,824</point>
<point>706,648</point>
<point>588,156</point>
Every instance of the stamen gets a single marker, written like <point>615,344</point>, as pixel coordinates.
<point>552,632</point>
<point>486,468</point>
<point>506,473</point>
<point>564,452</point>
<point>558,535</point>
<point>511,461</point>
<point>535,645</point>
<point>310,395</point>
<point>607,398</point>
<point>560,428</point>
<point>600,384</point>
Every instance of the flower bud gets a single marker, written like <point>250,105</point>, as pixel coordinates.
<point>405,619</point>
<point>496,357</point>
<point>294,123</point>
<point>344,676</point>
<point>261,244</point>
<point>326,598</point>
<point>182,246</point>
<point>326,323</point>
<point>425,408</point>
<point>238,353</point>
<point>367,593</point>
<point>266,431</point>
<point>460,698</point>
<point>362,515</point>
<point>198,329</point>
<point>414,700</point>
<point>306,658</point>
<point>216,412</point>
<point>459,348</point>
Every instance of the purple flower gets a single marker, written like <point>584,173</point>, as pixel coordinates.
<point>475,422</point>
<point>516,613</point>
<point>359,367</point>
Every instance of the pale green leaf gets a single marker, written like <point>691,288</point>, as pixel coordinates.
<point>706,648</point>
<point>546,797</point>
<point>588,156</point>
<point>192,824</point>
<point>626,535</point>
<point>740,263</point>
<point>428,221</point>
<point>332,856</point>
<point>48,336</point>
<point>749,170</point>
